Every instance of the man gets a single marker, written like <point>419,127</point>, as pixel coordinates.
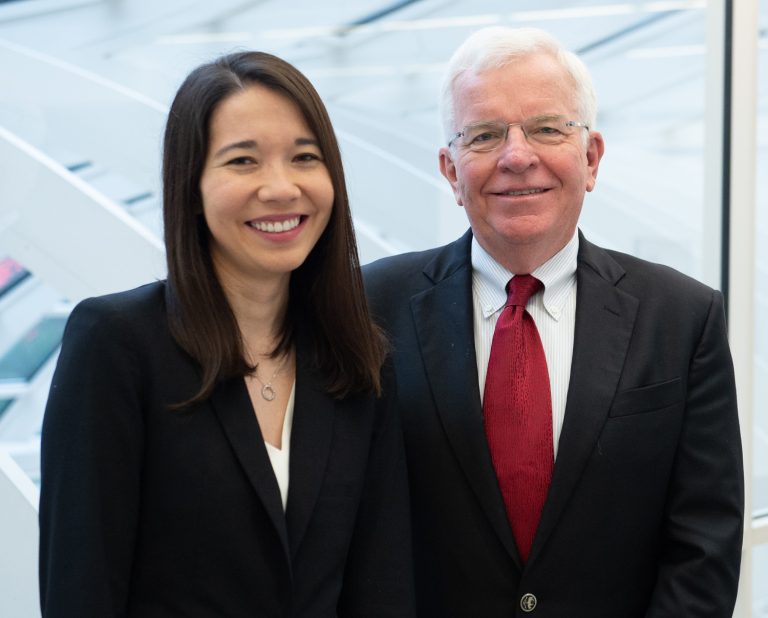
<point>611,487</point>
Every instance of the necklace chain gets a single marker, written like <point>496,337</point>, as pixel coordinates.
<point>268,392</point>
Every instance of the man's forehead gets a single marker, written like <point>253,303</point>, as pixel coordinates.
<point>506,92</point>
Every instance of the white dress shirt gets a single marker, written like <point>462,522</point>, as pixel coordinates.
<point>553,311</point>
<point>280,457</point>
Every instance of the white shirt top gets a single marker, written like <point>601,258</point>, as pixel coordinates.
<point>280,456</point>
<point>553,312</point>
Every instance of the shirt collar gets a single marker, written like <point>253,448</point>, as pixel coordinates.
<point>558,274</point>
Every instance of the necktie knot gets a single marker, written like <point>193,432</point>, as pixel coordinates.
<point>520,288</point>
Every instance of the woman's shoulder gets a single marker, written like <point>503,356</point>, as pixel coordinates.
<point>147,296</point>
<point>141,301</point>
<point>127,313</point>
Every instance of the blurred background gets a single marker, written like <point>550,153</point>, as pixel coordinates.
<point>84,90</point>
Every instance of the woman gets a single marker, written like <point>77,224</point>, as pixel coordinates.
<point>218,444</point>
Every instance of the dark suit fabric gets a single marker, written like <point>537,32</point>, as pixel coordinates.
<point>644,513</point>
<point>149,512</point>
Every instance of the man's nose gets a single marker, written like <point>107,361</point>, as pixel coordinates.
<point>516,153</point>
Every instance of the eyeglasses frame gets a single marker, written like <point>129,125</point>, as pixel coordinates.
<point>568,123</point>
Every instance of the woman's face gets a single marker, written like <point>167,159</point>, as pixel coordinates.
<point>267,194</point>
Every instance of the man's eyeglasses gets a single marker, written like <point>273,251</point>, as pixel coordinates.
<point>485,136</point>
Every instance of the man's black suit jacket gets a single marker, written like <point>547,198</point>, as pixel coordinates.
<point>644,513</point>
<point>151,512</point>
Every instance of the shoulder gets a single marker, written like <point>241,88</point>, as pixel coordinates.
<point>648,281</point>
<point>397,266</point>
<point>144,297</point>
<point>138,302</point>
<point>658,281</point>
<point>112,337</point>
<point>391,281</point>
<point>664,297</point>
<point>409,272</point>
<point>122,315</point>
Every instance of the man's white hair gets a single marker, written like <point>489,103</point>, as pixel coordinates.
<point>495,47</point>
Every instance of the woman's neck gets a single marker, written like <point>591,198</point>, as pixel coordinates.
<point>259,309</point>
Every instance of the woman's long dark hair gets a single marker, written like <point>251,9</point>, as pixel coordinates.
<point>326,297</point>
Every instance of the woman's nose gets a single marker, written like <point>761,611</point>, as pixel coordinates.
<point>278,185</point>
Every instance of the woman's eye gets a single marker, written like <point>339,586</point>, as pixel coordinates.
<point>240,161</point>
<point>307,157</point>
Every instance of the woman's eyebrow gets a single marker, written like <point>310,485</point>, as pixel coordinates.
<point>251,144</point>
<point>248,144</point>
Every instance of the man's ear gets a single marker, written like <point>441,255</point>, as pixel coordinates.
<point>595,150</point>
<point>448,169</point>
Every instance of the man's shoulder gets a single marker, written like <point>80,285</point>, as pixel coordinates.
<point>650,279</point>
<point>396,266</point>
<point>415,265</point>
<point>390,282</point>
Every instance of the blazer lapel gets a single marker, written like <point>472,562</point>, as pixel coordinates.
<point>605,317</point>
<point>443,319</point>
<point>311,435</point>
<point>235,413</point>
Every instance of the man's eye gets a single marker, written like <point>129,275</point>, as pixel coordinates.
<point>546,130</point>
<point>485,136</point>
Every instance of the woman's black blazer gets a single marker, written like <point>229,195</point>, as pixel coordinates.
<point>149,512</point>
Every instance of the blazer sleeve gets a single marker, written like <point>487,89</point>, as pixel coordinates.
<point>378,579</point>
<point>701,544</point>
<point>91,453</point>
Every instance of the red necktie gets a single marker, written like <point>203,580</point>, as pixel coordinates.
<point>517,408</point>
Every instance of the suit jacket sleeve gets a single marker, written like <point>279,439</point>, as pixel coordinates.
<point>91,466</point>
<point>378,578</point>
<point>700,549</point>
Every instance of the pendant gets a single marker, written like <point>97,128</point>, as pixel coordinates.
<point>267,392</point>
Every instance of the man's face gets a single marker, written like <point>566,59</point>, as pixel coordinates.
<point>523,196</point>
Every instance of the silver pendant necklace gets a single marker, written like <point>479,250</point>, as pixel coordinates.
<point>268,392</point>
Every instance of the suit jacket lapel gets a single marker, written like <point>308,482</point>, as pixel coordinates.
<point>311,437</point>
<point>443,319</point>
<point>235,413</point>
<point>605,317</point>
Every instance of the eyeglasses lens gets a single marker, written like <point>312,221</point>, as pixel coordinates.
<point>485,136</point>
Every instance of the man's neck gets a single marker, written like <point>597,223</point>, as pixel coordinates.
<point>523,259</point>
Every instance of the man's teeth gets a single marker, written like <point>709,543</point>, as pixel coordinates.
<point>524,192</point>
<point>276,226</point>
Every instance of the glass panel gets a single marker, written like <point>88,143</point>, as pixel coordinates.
<point>11,274</point>
<point>760,430</point>
<point>4,405</point>
<point>650,79</point>
<point>759,579</point>
<point>25,358</point>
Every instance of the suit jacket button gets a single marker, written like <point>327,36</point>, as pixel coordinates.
<point>528,602</point>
